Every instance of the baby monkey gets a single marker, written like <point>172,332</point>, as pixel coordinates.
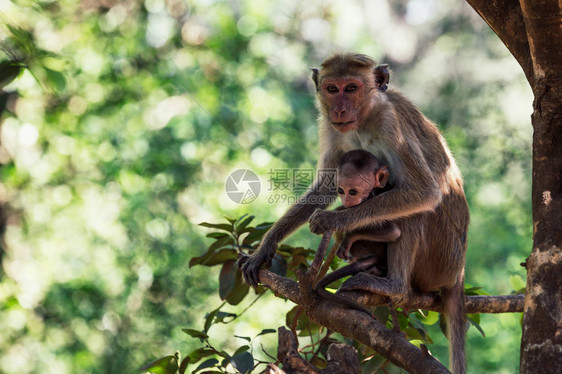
<point>361,176</point>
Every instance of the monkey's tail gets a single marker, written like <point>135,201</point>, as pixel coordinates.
<point>453,303</point>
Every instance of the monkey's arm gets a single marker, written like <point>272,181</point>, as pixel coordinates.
<point>319,196</point>
<point>388,232</point>
<point>416,190</point>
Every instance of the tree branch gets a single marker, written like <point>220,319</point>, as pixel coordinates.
<point>362,327</point>
<point>505,18</point>
<point>366,329</point>
<point>474,304</point>
<point>543,21</point>
<point>342,358</point>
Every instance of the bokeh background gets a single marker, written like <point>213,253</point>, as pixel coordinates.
<point>117,141</point>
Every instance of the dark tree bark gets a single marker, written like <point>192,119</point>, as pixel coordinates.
<point>342,358</point>
<point>532,31</point>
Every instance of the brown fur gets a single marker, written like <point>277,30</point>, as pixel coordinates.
<point>427,201</point>
<point>364,174</point>
<point>361,171</point>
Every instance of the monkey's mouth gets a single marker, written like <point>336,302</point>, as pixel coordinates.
<point>343,126</point>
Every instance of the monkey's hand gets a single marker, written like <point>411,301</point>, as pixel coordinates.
<point>250,264</point>
<point>325,220</point>
<point>343,249</point>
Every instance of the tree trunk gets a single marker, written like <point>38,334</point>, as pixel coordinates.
<point>532,31</point>
<point>541,346</point>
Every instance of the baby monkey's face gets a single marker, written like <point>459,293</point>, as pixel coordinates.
<point>354,185</point>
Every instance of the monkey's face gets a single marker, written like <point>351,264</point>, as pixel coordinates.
<point>354,186</point>
<point>344,100</point>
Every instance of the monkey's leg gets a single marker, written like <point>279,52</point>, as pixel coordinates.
<point>389,232</point>
<point>359,266</point>
<point>364,264</point>
<point>371,283</point>
<point>396,284</point>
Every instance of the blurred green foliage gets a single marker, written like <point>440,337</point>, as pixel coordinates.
<point>120,122</point>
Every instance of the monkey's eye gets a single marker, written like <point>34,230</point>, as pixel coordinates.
<point>332,89</point>
<point>350,88</point>
<point>353,192</point>
<point>340,191</point>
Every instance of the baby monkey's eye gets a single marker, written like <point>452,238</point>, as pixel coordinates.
<point>353,192</point>
<point>340,191</point>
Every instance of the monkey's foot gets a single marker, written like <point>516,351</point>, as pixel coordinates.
<point>372,283</point>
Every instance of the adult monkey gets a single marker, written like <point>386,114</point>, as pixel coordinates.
<point>427,201</point>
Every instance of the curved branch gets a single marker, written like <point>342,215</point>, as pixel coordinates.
<point>543,22</point>
<point>369,331</point>
<point>505,18</point>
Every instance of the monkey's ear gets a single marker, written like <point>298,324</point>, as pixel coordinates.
<point>381,177</point>
<point>315,77</point>
<point>382,77</point>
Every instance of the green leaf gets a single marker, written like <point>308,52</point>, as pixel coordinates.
<point>9,70</point>
<point>206,364</point>
<point>184,363</point>
<point>219,226</point>
<point>221,242</point>
<point>517,283</point>
<point>227,279</point>
<point>474,320</point>
<point>197,355</point>
<point>56,79</point>
<point>373,365</point>
<point>256,233</point>
<point>243,348</point>
<point>266,331</point>
<point>210,317</point>
<point>421,332</point>
<point>475,291</point>
<point>278,266</point>
<point>319,362</point>
<point>222,316</point>
<point>243,337</point>
<point>416,342</point>
<point>240,289</point>
<point>217,235</point>
<point>243,362</point>
<point>21,35</point>
<point>214,258</point>
<point>430,318</point>
<point>163,365</point>
<point>242,223</point>
<point>443,324</point>
<point>382,313</point>
<point>196,333</point>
